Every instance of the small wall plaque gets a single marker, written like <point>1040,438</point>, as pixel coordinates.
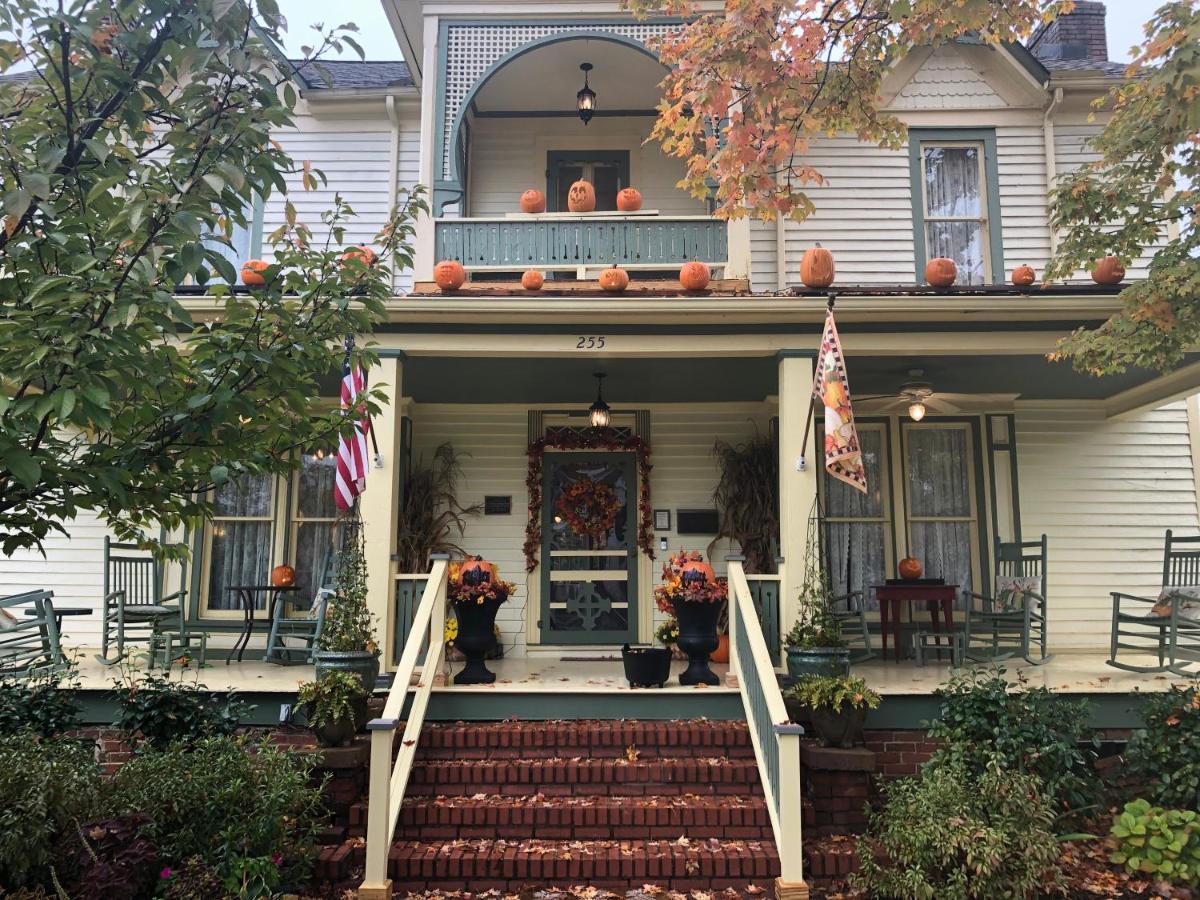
<point>662,520</point>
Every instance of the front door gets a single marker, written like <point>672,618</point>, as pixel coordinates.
<point>589,548</point>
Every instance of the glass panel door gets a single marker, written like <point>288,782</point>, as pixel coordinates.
<point>942,507</point>
<point>239,539</point>
<point>858,527</point>
<point>606,170</point>
<point>589,548</point>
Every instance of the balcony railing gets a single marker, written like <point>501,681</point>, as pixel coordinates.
<point>565,242</point>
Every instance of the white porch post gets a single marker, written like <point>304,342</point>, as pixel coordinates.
<point>378,503</point>
<point>429,168</point>
<point>797,490</point>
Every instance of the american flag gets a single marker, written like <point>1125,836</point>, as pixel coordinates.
<point>351,479</point>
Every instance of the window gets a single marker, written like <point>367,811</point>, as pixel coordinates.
<point>606,170</point>
<point>858,528</point>
<point>313,517</point>
<point>239,540</point>
<point>954,200</point>
<point>246,240</point>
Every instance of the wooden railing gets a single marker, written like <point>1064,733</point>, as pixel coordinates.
<point>776,741</point>
<point>764,591</point>
<point>568,243</point>
<point>388,780</point>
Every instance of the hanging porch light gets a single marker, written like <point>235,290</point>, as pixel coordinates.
<point>916,410</point>
<point>585,100</point>
<point>599,413</point>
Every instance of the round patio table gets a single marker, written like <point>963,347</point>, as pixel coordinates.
<point>247,595</point>
<point>61,611</point>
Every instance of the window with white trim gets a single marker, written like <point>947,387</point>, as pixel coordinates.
<point>954,207</point>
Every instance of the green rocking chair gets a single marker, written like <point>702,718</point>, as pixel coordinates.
<point>851,613</point>
<point>1167,626</point>
<point>1012,621</point>
<point>29,644</point>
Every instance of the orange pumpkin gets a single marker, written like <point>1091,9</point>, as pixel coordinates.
<point>252,270</point>
<point>533,280</point>
<point>1023,276</point>
<point>721,654</point>
<point>476,570</point>
<point>581,197</point>
<point>694,275</point>
<point>910,568</point>
<point>363,254</point>
<point>614,280</point>
<point>449,274</point>
<point>629,199</point>
<point>1108,271</point>
<point>694,571</point>
<point>816,267</point>
<point>283,576</point>
<point>941,272</point>
<point>533,201</point>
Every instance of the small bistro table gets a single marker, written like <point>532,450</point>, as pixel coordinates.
<point>247,595</point>
<point>892,597</point>
<point>61,611</point>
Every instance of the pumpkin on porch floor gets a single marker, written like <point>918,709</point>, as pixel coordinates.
<point>941,272</point>
<point>581,198</point>
<point>252,270</point>
<point>1023,276</point>
<point>629,199</point>
<point>449,275</point>
<point>614,280</point>
<point>533,201</point>
<point>1108,271</point>
<point>533,280</point>
<point>721,654</point>
<point>694,276</point>
<point>816,267</point>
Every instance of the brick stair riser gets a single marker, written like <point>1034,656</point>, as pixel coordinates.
<point>587,776</point>
<point>583,738</point>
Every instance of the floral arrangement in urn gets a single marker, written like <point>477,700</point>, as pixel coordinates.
<point>476,591</point>
<point>695,597</point>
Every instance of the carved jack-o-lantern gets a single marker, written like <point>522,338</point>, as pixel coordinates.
<point>1108,271</point>
<point>696,572</point>
<point>581,198</point>
<point>614,280</point>
<point>694,275</point>
<point>283,576</point>
<point>476,570</point>
<point>941,272</point>
<point>533,201</point>
<point>449,274</point>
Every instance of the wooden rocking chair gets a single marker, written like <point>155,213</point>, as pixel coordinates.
<point>851,613</point>
<point>306,629</point>
<point>1011,622</point>
<point>1169,625</point>
<point>135,608</point>
<point>29,644</point>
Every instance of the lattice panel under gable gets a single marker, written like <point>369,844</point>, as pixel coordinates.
<point>472,49</point>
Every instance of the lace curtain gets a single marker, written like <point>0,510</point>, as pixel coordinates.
<point>240,552</point>
<point>939,488</point>
<point>314,531</point>
<point>954,209</point>
<point>854,551</point>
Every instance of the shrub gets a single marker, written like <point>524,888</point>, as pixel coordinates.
<point>955,834</point>
<point>194,880</point>
<point>1167,752</point>
<point>332,697</point>
<point>1164,843</point>
<point>1028,729</point>
<point>225,803</point>
<point>110,860</point>
<point>833,692</point>
<point>46,787</point>
<point>165,711</point>
<point>43,704</point>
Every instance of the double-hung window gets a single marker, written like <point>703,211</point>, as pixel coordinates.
<point>955,205</point>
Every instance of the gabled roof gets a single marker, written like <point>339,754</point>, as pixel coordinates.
<point>346,74</point>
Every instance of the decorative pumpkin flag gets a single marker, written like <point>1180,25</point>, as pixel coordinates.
<point>843,453</point>
<point>351,477</point>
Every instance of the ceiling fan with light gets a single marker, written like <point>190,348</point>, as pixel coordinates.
<point>916,397</point>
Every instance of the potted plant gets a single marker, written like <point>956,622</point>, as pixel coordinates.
<point>347,639</point>
<point>335,705</point>
<point>476,591</point>
<point>646,666</point>
<point>667,634</point>
<point>694,596</point>
<point>815,645</point>
<point>838,705</point>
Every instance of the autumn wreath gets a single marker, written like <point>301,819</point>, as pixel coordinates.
<point>589,509</point>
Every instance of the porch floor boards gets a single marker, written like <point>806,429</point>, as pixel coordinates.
<point>1072,673</point>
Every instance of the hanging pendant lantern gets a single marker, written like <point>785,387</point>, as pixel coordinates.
<point>599,413</point>
<point>585,100</point>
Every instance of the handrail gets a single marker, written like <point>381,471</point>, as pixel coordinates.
<point>776,741</point>
<point>388,782</point>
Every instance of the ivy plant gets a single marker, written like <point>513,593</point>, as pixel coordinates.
<point>331,698</point>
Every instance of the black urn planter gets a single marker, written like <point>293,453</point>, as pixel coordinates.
<point>476,638</point>
<point>698,639</point>
<point>646,666</point>
<point>839,728</point>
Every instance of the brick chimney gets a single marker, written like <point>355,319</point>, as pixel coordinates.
<point>1078,35</point>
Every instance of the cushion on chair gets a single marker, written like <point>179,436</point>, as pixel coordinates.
<point>7,620</point>
<point>1011,590</point>
<point>1189,601</point>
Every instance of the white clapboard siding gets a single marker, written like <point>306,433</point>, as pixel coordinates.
<point>763,262</point>
<point>354,154</point>
<point>495,436</point>
<point>1021,170</point>
<point>508,156</point>
<point>1104,491</point>
<point>1070,152</point>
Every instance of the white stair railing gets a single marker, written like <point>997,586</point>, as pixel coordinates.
<point>776,740</point>
<point>388,782</point>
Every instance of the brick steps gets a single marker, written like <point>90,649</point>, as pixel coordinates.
<point>586,817</point>
<point>565,777</point>
<point>516,865</point>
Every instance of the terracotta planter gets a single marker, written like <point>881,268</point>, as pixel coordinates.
<point>698,639</point>
<point>843,728</point>
<point>646,666</point>
<point>476,638</point>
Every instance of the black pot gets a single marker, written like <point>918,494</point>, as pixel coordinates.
<point>476,638</point>
<point>697,638</point>
<point>839,728</point>
<point>646,666</point>
<point>340,731</point>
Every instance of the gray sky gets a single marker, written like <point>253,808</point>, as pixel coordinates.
<point>1125,20</point>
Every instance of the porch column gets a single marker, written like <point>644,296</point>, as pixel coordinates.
<point>378,504</point>
<point>797,489</point>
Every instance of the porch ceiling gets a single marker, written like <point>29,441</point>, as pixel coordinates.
<point>568,380</point>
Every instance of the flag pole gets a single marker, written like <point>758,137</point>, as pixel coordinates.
<point>812,400</point>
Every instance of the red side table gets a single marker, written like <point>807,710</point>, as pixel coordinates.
<point>891,598</point>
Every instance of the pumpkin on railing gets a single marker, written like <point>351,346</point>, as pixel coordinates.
<point>581,198</point>
<point>533,202</point>
<point>629,199</point>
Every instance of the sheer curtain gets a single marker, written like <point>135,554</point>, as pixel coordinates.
<point>240,549</point>
<point>314,526</point>
<point>940,511</point>
<point>855,550</point>
<point>954,209</point>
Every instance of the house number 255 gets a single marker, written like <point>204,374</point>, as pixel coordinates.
<point>590,342</point>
